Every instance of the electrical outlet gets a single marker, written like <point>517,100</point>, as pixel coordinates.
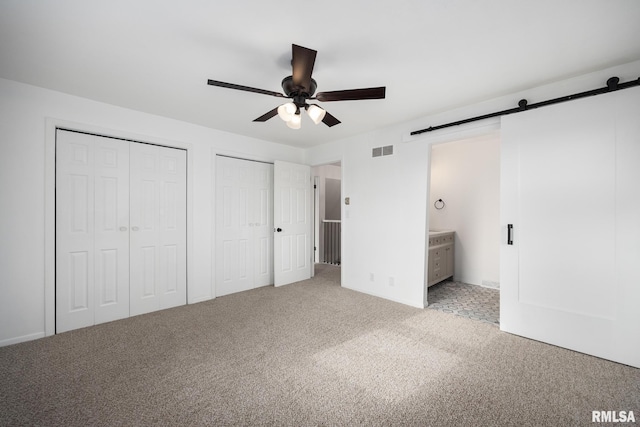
<point>392,282</point>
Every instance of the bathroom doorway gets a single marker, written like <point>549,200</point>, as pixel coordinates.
<point>464,228</point>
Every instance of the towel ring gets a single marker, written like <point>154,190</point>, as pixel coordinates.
<point>438,204</point>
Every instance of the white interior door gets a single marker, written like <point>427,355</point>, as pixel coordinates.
<point>92,237</point>
<point>158,228</point>
<point>570,188</point>
<point>292,222</point>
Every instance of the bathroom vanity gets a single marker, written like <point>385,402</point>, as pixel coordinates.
<point>441,244</point>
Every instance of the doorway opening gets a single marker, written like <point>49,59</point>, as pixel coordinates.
<point>327,215</point>
<point>464,228</point>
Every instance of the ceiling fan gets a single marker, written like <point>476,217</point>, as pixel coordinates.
<point>300,87</point>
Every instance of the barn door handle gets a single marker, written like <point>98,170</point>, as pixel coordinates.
<point>509,234</point>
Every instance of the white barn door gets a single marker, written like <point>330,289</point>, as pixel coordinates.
<point>570,188</point>
<point>292,223</point>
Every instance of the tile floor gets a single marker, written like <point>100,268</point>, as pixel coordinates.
<point>471,301</point>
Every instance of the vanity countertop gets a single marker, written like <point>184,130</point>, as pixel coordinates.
<point>439,232</point>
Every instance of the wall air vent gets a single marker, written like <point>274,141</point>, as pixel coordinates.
<point>382,151</point>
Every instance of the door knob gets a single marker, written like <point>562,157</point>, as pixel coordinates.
<point>123,228</point>
<point>279,230</point>
<point>135,228</point>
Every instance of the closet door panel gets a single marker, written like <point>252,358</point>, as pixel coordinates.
<point>172,272</point>
<point>262,211</point>
<point>74,232</point>
<point>111,230</point>
<point>234,272</point>
<point>158,228</point>
<point>92,258</point>
<point>144,240</point>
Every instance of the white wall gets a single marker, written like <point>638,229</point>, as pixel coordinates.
<point>332,199</point>
<point>384,228</point>
<point>466,176</point>
<point>27,114</point>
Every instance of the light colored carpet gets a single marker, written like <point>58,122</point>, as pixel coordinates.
<point>310,353</point>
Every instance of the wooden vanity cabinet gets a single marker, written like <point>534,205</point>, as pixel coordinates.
<point>441,255</point>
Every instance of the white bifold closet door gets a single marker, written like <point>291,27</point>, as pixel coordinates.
<point>120,229</point>
<point>244,225</point>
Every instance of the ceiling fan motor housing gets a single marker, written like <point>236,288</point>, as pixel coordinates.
<point>293,91</point>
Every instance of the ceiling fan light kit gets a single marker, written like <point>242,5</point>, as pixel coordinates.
<point>300,87</point>
<point>295,122</point>
<point>315,113</point>
<point>287,111</point>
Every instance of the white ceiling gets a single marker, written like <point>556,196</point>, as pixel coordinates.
<point>432,55</point>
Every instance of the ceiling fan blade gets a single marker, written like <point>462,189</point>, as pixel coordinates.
<point>245,88</point>
<point>352,94</point>
<point>267,116</point>
<point>302,63</point>
<point>329,120</point>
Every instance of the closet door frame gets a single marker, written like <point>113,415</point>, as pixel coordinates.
<point>51,125</point>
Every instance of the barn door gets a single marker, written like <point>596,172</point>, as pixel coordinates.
<point>292,223</point>
<point>570,203</point>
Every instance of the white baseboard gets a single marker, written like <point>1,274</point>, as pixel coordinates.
<point>490,284</point>
<point>398,300</point>
<point>200,299</point>
<point>23,338</point>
